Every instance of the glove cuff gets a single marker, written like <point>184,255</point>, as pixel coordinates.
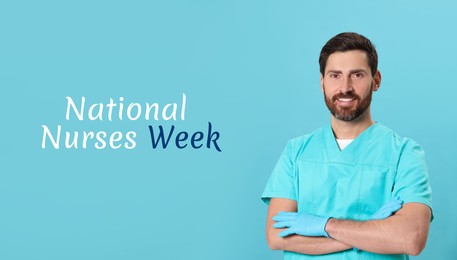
<point>325,224</point>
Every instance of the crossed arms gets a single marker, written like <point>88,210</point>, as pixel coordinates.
<point>403,233</point>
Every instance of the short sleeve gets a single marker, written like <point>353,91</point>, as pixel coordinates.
<point>412,181</point>
<point>281,183</point>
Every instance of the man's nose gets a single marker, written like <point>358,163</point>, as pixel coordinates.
<point>346,85</point>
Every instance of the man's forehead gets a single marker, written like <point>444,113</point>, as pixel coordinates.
<point>347,60</point>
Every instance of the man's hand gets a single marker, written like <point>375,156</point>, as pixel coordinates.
<point>305,224</point>
<point>295,243</point>
<point>301,224</point>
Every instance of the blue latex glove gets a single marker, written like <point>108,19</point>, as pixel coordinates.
<point>301,224</point>
<point>388,209</point>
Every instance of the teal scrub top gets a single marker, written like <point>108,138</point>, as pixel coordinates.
<point>349,184</point>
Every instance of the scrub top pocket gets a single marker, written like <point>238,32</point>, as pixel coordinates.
<point>376,188</point>
<point>341,190</point>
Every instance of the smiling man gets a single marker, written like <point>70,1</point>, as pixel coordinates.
<point>353,189</point>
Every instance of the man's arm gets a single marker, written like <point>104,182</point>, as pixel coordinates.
<point>295,243</point>
<point>403,233</point>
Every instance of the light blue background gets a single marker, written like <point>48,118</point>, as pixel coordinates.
<point>249,67</point>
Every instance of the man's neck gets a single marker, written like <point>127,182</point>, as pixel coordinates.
<point>351,129</point>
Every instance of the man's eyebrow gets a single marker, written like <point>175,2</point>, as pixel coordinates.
<point>350,72</point>
<point>357,71</point>
<point>333,71</point>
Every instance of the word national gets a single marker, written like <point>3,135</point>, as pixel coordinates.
<point>59,137</point>
<point>133,111</point>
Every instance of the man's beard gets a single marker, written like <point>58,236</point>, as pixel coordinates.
<point>347,114</point>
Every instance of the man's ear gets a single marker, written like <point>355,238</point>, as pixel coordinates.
<point>377,81</point>
<point>322,83</point>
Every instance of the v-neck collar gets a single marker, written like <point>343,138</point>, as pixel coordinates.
<point>351,152</point>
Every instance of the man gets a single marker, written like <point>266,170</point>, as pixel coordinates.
<point>353,189</point>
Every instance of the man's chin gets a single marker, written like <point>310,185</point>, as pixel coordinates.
<point>345,116</point>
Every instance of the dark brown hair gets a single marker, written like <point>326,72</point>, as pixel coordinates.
<point>349,41</point>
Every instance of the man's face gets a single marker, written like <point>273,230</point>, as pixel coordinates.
<point>347,84</point>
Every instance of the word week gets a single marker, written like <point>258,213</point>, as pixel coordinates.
<point>118,111</point>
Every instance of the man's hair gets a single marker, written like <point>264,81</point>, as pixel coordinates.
<point>349,41</point>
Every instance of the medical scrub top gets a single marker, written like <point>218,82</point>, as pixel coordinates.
<point>349,184</point>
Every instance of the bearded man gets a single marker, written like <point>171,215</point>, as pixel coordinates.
<point>353,189</point>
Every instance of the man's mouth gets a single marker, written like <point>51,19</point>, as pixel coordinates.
<point>346,101</point>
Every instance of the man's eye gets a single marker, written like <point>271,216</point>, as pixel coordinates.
<point>333,76</point>
<point>358,75</point>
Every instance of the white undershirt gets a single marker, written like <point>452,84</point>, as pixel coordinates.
<point>342,143</point>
